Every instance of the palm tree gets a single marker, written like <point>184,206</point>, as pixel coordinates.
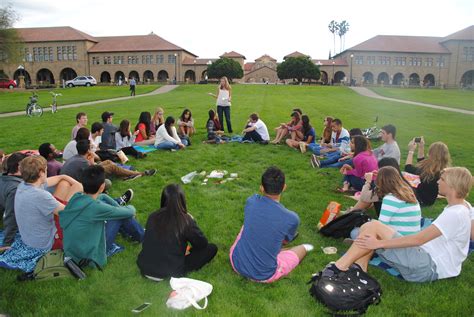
<point>333,28</point>
<point>343,29</point>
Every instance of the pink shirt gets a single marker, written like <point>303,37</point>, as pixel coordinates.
<point>364,162</point>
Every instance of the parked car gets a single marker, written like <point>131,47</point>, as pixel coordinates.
<point>82,81</point>
<point>7,83</point>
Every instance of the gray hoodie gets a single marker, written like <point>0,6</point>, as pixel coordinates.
<point>8,185</point>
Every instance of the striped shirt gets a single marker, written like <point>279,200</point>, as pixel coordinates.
<point>404,217</point>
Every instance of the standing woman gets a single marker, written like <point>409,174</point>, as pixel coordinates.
<point>224,98</point>
<point>169,232</point>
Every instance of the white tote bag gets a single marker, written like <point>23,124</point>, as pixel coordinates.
<point>188,292</point>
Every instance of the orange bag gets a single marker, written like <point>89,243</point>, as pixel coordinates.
<point>331,212</point>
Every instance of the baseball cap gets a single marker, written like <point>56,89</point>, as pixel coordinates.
<point>106,115</point>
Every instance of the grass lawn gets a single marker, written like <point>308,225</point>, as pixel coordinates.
<point>455,98</point>
<point>16,100</point>
<point>218,208</point>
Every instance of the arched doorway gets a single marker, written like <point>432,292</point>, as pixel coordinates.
<point>429,80</point>
<point>467,79</point>
<point>368,78</point>
<point>119,76</point>
<point>338,77</point>
<point>324,77</point>
<point>105,77</point>
<point>383,79</point>
<point>163,75</point>
<point>190,75</point>
<point>67,74</point>
<point>22,72</point>
<point>414,80</point>
<point>148,76</point>
<point>204,75</point>
<point>134,74</point>
<point>398,79</point>
<point>44,76</point>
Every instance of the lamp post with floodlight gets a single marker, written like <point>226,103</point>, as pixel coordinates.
<point>333,62</point>
<point>175,67</point>
<point>352,56</point>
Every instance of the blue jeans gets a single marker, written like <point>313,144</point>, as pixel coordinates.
<point>226,111</point>
<point>168,145</point>
<point>332,160</point>
<point>355,182</point>
<point>128,227</point>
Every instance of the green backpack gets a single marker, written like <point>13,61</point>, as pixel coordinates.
<point>50,266</point>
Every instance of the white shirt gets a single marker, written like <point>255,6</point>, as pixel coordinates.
<point>223,98</point>
<point>342,142</point>
<point>450,249</point>
<point>70,150</point>
<point>162,136</point>
<point>262,130</point>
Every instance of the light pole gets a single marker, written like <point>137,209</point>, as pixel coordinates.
<point>175,67</point>
<point>333,62</point>
<point>439,71</point>
<point>352,56</point>
<point>194,71</point>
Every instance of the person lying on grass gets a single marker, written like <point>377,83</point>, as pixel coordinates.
<point>257,251</point>
<point>436,252</point>
<point>91,220</point>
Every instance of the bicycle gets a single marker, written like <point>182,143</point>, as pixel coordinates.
<point>373,133</point>
<point>33,109</point>
<point>54,104</point>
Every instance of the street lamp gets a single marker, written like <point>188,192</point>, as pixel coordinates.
<point>352,56</point>
<point>194,71</point>
<point>333,62</point>
<point>175,67</point>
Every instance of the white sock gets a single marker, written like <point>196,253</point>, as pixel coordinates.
<point>308,247</point>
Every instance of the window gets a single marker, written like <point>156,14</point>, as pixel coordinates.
<point>64,53</point>
<point>147,59</point>
<point>27,56</point>
<point>95,60</point>
<point>160,59</point>
<point>359,60</point>
<point>468,54</point>
<point>370,60</point>
<point>118,59</point>
<point>133,59</point>
<point>107,60</point>
<point>384,60</point>
<point>440,61</point>
<point>171,59</point>
<point>428,62</point>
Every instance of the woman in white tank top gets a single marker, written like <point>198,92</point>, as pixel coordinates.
<point>223,102</point>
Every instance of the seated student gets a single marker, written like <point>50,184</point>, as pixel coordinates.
<point>340,139</point>
<point>91,220</point>
<point>285,129</point>
<point>167,138</point>
<point>108,135</point>
<point>8,185</point>
<point>390,147</point>
<point>124,140</point>
<point>97,131</point>
<point>70,148</point>
<point>49,152</point>
<point>257,251</point>
<point>144,136</point>
<point>213,127</point>
<point>2,158</point>
<point>309,136</point>
<point>327,131</point>
<point>256,130</point>
<point>364,161</point>
<point>36,209</point>
<point>169,232</point>
<point>428,169</point>
<point>339,158</point>
<point>186,124</point>
<point>157,120</point>
<point>81,120</point>
<point>436,252</point>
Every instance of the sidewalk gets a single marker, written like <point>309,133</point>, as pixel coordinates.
<point>369,93</point>
<point>161,90</point>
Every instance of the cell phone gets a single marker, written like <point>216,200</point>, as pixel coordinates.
<point>141,308</point>
<point>418,140</point>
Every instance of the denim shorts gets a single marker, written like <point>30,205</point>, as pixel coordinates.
<point>413,263</point>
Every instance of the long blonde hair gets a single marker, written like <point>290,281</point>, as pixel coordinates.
<point>438,159</point>
<point>156,117</point>
<point>389,181</point>
<point>226,84</point>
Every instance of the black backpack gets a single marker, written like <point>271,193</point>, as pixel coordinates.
<point>346,293</point>
<point>342,226</point>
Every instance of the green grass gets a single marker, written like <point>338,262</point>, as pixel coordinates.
<point>455,98</point>
<point>13,100</point>
<point>219,208</point>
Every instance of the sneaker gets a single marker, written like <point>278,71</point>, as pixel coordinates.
<point>331,270</point>
<point>126,197</point>
<point>150,172</point>
<point>302,147</point>
<point>132,177</point>
<point>315,161</point>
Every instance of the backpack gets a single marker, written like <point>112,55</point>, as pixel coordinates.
<point>342,226</point>
<point>350,291</point>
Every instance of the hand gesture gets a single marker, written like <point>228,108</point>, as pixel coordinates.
<point>368,177</point>
<point>412,145</point>
<point>367,241</point>
<point>422,141</point>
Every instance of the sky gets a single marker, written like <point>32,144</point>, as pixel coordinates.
<point>209,28</point>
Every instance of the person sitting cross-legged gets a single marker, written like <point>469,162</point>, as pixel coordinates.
<point>89,215</point>
<point>256,130</point>
<point>257,251</point>
<point>436,252</point>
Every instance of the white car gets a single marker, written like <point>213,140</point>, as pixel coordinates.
<point>82,81</point>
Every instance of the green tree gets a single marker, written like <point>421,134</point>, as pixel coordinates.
<point>10,42</point>
<point>225,67</point>
<point>298,68</point>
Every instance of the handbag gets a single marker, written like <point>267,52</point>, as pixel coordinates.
<point>188,292</point>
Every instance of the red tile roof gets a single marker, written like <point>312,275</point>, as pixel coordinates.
<point>406,44</point>
<point>258,69</point>
<point>199,61</point>
<point>466,34</point>
<point>328,62</point>
<point>266,57</point>
<point>53,34</point>
<point>134,43</point>
<point>248,67</point>
<point>232,54</point>
<point>295,54</point>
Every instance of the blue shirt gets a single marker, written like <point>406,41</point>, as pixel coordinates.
<point>266,224</point>
<point>312,133</point>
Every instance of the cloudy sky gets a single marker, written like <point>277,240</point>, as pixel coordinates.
<point>208,28</point>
